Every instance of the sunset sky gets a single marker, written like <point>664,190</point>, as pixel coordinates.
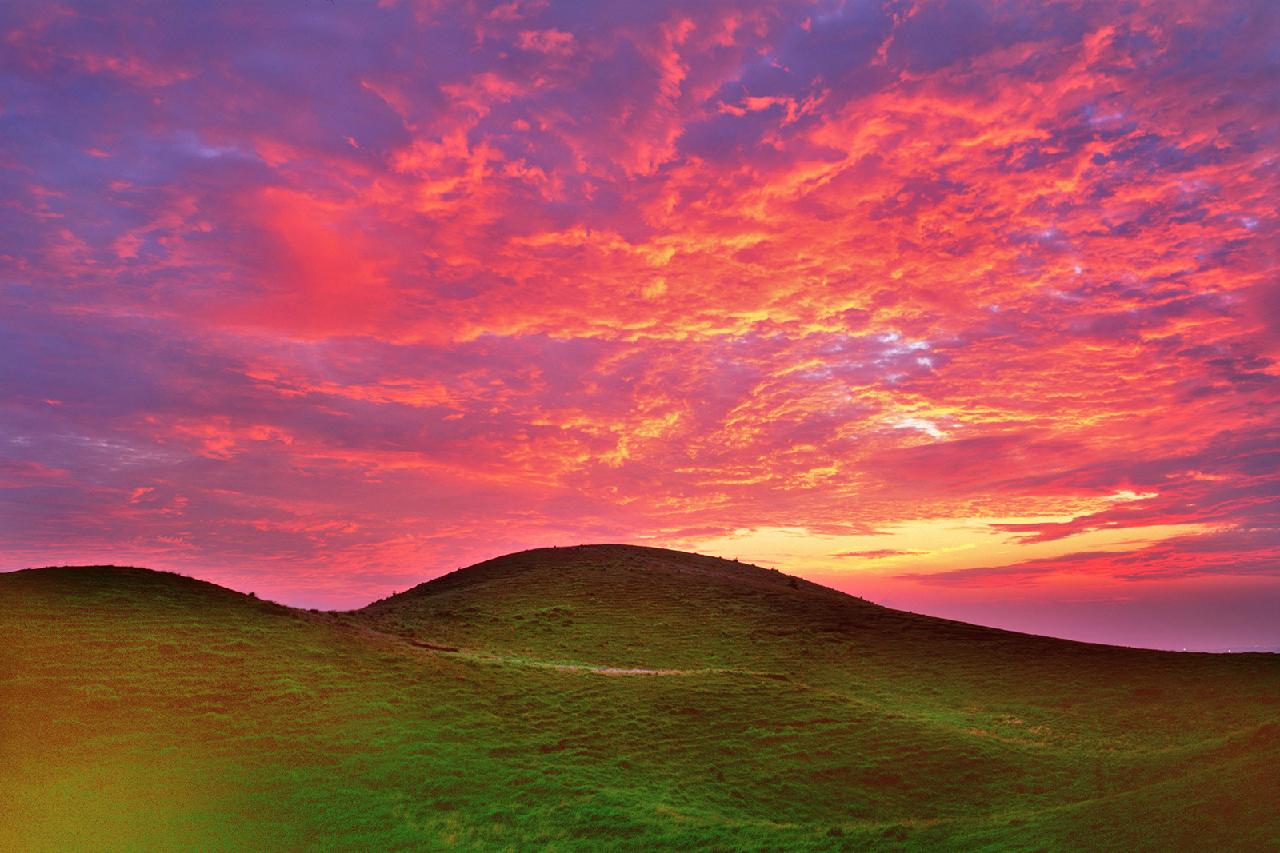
<point>968,308</point>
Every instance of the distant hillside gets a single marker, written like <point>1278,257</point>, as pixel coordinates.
<point>606,697</point>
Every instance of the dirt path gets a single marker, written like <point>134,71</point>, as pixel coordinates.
<point>615,671</point>
<point>443,651</point>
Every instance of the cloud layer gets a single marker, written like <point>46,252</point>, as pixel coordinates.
<point>323,298</point>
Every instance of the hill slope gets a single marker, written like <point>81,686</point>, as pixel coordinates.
<point>607,696</point>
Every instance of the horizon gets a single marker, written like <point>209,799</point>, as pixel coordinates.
<point>302,605</point>
<point>971,309</point>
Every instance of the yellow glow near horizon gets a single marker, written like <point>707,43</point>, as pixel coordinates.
<point>926,546</point>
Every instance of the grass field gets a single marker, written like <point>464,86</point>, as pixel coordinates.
<point>606,697</point>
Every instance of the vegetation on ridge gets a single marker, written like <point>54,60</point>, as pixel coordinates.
<point>606,697</point>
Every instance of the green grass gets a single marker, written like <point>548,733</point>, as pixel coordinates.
<point>142,710</point>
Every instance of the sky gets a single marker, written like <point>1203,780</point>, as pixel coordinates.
<point>969,308</point>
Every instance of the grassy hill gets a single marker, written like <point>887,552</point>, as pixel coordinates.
<point>606,697</point>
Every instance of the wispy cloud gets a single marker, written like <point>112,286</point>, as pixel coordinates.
<point>337,296</point>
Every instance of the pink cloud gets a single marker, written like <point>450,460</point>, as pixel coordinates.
<point>342,288</point>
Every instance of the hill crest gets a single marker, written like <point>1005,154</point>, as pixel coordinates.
<point>662,562</point>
